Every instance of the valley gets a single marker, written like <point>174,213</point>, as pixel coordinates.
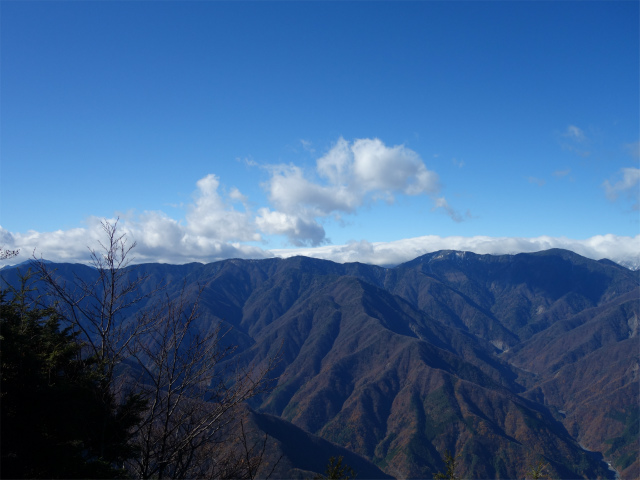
<point>502,359</point>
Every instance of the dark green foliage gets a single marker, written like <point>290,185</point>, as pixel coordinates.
<point>337,471</point>
<point>626,444</point>
<point>395,364</point>
<point>626,460</point>
<point>59,419</point>
<point>539,470</point>
<point>451,464</point>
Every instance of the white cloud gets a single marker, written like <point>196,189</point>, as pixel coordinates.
<point>337,164</point>
<point>633,149</point>
<point>211,216</point>
<point>442,203</point>
<point>212,231</point>
<point>458,163</point>
<point>307,145</point>
<point>158,239</point>
<point>575,140</point>
<point>237,196</point>
<point>390,169</point>
<point>292,193</point>
<point>155,230</point>
<point>562,173</point>
<point>179,247</point>
<point>537,181</point>
<point>297,229</point>
<point>628,185</point>
<point>613,247</point>
<point>354,174</point>
<point>351,174</point>
<point>575,133</point>
<point>219,223</point>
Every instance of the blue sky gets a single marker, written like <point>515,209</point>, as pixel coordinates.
<point>336,129</point>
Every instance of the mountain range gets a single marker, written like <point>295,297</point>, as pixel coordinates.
<point>500,359</point>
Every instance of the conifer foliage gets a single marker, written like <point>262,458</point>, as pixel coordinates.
<point>336,470</point>
<point>103,377</point>
<point>59,419</point>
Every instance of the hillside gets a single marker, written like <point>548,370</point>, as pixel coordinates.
<point>501,359</point>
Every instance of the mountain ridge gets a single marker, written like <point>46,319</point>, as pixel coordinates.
<point>442,352</point>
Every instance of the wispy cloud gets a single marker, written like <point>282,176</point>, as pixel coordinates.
<point>307,146</point>
<point>536,181</point>
<point>633,149</point>
<point>628,186</point>
<point>562,173</point>
<point>458,163</point>
<point>441,203</point>
<point>575,140</point>
<point>575,133</point>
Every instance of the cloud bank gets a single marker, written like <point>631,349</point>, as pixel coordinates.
<point>621,249</point>
<point>160,239</point>
<point>220,224</point>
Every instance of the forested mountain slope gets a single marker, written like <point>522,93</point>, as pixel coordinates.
<point>501,359</point>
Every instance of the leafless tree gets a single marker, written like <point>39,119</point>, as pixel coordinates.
<point>165,354</point>
<point>245,459</point>
<point>190,427</point>
<point>98,309</point>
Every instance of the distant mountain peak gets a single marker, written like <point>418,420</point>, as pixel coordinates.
<point>397,364</point>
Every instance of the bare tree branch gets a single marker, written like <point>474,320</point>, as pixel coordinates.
<point>174,362</point>
<point>192,407</point>
<point>6,254</point>
<point>98,309</point>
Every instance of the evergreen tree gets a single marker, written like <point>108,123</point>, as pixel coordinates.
<point>336,470</point>
<point>451,464</point>
<point>59,419</point>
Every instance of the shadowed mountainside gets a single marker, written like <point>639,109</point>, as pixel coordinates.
<point>501,359</point>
